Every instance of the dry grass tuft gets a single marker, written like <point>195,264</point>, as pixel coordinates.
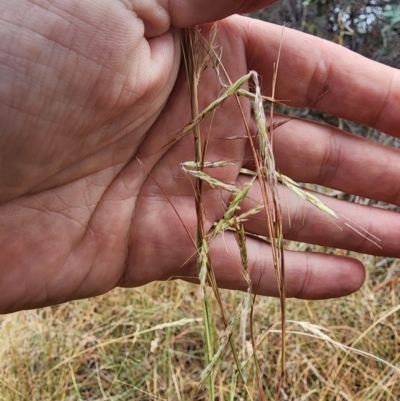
<point>114,348</point>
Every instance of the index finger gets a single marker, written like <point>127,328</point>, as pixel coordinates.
<point>329,77</point>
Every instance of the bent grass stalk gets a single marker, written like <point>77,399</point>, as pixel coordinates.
<point>198,53</point>
<point>197,50</point>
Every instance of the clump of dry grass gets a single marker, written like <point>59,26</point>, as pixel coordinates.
<point>114,348</point>
<point>198,52</point>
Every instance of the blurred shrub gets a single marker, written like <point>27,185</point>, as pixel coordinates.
<point>369,27</point>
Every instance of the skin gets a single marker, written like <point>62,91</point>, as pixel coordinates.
<point>90,88</point>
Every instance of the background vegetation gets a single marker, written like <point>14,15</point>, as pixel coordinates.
<point>369,27</point>
<point>147,343</point>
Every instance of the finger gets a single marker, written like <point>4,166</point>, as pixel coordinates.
<point>358,228</point>
<point>307,275</point>
<point>321,154</point>
<point>322,74</point>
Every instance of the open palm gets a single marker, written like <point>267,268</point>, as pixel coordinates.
<point>91,98</point>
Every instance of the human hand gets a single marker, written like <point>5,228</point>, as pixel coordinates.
<point>91,97</point>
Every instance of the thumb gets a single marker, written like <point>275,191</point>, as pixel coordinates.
<point>184,13</point>
<point>158,15</point>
